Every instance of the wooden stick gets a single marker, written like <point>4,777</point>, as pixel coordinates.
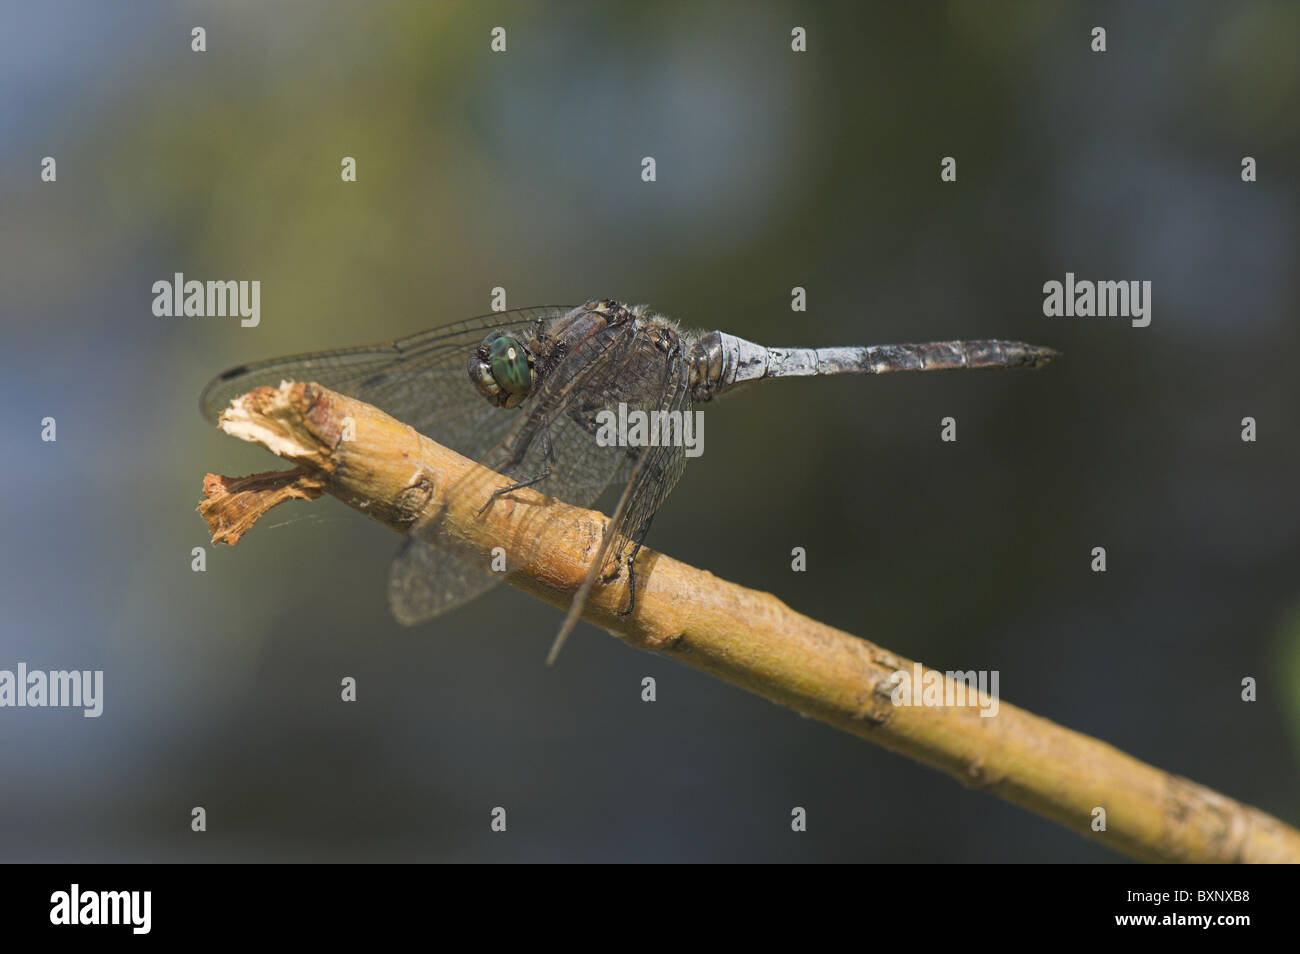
<point>747,638</point>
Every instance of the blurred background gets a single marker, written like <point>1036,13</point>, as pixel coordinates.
<point>522,170</point>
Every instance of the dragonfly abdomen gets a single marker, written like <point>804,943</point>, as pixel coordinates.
<point>720,361</point>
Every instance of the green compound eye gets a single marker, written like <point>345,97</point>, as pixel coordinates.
<point>510,366</point>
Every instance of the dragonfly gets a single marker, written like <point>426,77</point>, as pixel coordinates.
<point>536,405</point>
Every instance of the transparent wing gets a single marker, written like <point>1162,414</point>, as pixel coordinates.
<point>652,475</point>
<point>609,370</point>
<point>434,573</point>
<point>421,380</point>
<point>658,474</point>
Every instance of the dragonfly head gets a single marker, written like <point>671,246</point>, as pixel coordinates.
<point>502,369</point>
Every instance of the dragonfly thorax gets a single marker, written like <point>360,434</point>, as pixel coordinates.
<point>502,370</point>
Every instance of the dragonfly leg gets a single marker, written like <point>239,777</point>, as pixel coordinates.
<point>631,568</point>
<point>631,581</point>
<point>548,453</point>
<point>501,492</point>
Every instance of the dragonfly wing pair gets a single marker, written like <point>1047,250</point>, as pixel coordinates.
<point>549,440</point>
<point>538,379</point>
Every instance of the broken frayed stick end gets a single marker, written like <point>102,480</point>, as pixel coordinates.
<point>232,505</point>
<point>279,419</point>
<point>293,421</point>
